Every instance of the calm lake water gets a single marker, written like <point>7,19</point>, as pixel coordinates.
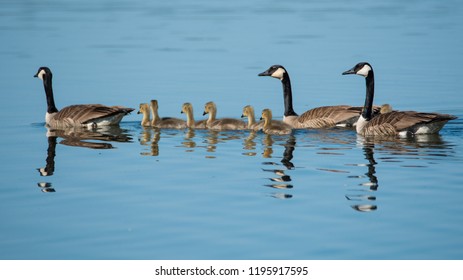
<point>140,193</point>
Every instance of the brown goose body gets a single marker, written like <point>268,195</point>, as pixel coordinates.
<point>89,115</point>
<point>391,122</point>
<point>406,122</point>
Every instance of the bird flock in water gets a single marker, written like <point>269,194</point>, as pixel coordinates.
<point>368,120</point>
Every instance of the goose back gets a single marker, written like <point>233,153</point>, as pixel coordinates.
<point>87,115</point>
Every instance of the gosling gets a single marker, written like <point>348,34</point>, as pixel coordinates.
<point>172,123</point>
<point>274,128</point>
<point>221,124</point>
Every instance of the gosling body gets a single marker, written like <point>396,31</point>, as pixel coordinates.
<point>166,122</point>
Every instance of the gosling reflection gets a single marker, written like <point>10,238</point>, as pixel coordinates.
<point>280,180</point>
<point>149,137</point>
<point>363,203</point>
<point>189,142</point>
<point>249,144</point>
<point>77,137</point>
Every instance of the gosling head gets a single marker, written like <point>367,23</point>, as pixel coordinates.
<point>144,109</point>
<point>247,111</point>
<point>363,69</point>
<point>275,71</point>
<point>266,114</point>
<point>209,107</point>
<point>186,107</point>
<point>43,73</point>
<point>154,104</point>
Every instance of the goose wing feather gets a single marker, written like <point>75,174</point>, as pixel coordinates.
<point>396,121</point>
<point>88,113</point>
<point>327,116</point>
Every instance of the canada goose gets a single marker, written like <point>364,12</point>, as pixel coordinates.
<point>187,109</point>
<point>145,110</point>
<point>394,122</point>
<point>221,124</point>
<point>164,122</point>
<point>248,112</point>
<point>274,128</point>
<point>320,117</point>
<point>90,115</point>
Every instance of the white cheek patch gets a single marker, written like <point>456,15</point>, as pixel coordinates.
<point>40,74</point>
<point>279,73</point>
<point>364,71</point>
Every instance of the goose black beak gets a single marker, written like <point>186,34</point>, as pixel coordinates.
<point>265,73</point>
<point>36,75</point>
<point>138,112</point>
<point>242,116</point>
<point>350,71</point>
<point>261,118</point>
<point>204,113</point>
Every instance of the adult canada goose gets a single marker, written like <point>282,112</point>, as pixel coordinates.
<point>145,110</point>
<point>395,122</point>
<point>187,109</point>
<point>221,124</point>
<point>248,112</point>
<point>274,128</point>
<point>164,122</point>
<point>89,115</point>
<point>320,117</point>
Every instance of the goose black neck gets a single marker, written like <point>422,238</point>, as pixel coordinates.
<point>288,96</point>
<point>367,111</point>
<point>51,108</point>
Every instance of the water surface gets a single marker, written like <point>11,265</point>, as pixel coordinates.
<point>141,193</point>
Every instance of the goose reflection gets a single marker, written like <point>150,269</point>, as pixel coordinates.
<point>422,148</point>
<point>361,200</point>
<point>282,180</point>
<point>77,137</point>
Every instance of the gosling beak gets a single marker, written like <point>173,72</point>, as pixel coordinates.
<point>242,116</point>
<point>204,113</point>
<point>138,112</point>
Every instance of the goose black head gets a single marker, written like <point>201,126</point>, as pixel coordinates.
<point>275,71</point>
<point>362,69</point>
<point>43,73</point>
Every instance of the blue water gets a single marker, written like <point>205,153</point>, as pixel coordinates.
<point>140,193</point>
